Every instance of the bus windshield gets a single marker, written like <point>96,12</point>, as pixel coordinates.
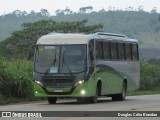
<point>60,59</point>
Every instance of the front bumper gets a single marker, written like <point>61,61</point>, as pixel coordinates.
<point>82,90</point>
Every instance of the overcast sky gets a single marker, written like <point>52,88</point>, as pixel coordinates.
<point>7,6</point>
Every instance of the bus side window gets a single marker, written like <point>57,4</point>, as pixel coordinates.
<point>121,51</point>
<point>114,51</point>
<point>134,51</point>
<point>99,53</point>
<point>91,56</point>
<point>106,48</point>
<point>128,51</point>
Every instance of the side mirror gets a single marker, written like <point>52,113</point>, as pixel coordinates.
<point>31,51</point>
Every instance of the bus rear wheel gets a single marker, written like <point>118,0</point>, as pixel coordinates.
<point>122,95</point>
<point>52,100</point>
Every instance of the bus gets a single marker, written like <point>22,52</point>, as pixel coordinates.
<point>85,66</point>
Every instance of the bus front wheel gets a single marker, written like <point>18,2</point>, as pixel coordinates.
<point>94,98</point>
<point>89,99</point>
<point>52,100</point>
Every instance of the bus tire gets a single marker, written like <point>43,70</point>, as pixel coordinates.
<point>83,100</point>
<point>94,98</point>
<point>122,95</point>
<point>52,100</point>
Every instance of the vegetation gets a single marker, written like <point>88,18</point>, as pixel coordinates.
<point>134,23</point>
<point>16,78</point>
<point>144,92</point>
<point>150,75</point>
<point>19,41</point>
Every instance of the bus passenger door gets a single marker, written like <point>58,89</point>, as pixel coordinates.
<point>91,61</point>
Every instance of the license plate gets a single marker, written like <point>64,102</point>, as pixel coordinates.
<point>58,90</point>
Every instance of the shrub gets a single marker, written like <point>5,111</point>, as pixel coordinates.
<point>150,75</point>
<point>15,78</point>
<point>2,72</point>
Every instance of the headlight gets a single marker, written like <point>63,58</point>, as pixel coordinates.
<point>38,82</point>
<point>79,82</point>
<point>83,92</point>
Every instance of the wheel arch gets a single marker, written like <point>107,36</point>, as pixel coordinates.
<point>125,81</point>
<point>99,86</point>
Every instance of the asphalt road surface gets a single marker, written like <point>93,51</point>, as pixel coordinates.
<point>132,103</point>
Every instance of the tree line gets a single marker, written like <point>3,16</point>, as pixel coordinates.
<point>67,10</point>
<point>133,23</point>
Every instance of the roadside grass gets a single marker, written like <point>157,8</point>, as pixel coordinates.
<point>15,79</point>
<point>4,100</point>
<point>144,92</point>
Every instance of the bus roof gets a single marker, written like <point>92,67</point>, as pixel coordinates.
<point>74,38</point>
<point>60,38</point>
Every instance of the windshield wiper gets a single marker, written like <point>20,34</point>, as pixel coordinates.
<point>69,69</point>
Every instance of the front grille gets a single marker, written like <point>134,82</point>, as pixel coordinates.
<point>58,81</point>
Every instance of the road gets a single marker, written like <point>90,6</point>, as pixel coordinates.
<point>132,103</point>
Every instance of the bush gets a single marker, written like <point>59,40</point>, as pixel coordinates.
<point>150,76</point>
<point>16,78</point>
<point>2,66</point>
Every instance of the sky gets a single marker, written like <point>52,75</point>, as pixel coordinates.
<point>8,6</point>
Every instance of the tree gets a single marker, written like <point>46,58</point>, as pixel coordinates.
<point>57,11</point>
<point>19,41</point>
<point>154,10</point>
<point>32,13</point>
<point>24,13</point>
<point>129,8</point>
<point>102,10</point>
<point>87,9</point>
<point>140,9</point>
<point>82,10</point>
<point>67,11</point>
<point>44,12</point>
<point>18,13</point>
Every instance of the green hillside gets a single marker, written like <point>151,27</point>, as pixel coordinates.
<point>141,25</point>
